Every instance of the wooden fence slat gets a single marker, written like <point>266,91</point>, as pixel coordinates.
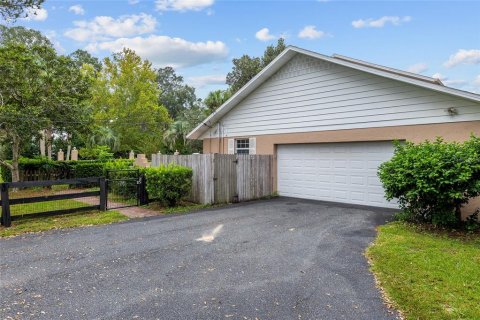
<point>219,178</point>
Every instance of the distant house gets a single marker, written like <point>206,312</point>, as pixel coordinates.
<point>330,121</point>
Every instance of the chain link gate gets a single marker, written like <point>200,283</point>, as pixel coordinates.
<point>125,188</point>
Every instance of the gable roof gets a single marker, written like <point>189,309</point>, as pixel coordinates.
<point>290,51</point>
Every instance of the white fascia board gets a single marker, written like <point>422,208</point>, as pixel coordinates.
<point>256,81</point>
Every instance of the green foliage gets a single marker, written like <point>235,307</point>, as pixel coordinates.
<point>246,67</point>
<point>24,36</point>
<point>124,182</point>
<point>168,184</point>
<point>49,169</point>
<point>432,180</point>
<point>10,10</point>
<point>125,99</point>
<point>103,136</point>
<point>82,57</point>
<point>40,90</point>
<point>216,98</point>
<point>175,95</point>
<point>472,223</point>
<point>175,136</point>
<point>88,169</point>
<point>95,153</point>
<point>121,164</point>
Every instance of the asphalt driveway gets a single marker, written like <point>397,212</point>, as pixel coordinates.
<point>274,259</point>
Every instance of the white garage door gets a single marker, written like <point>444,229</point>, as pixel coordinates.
<point>339,172</point>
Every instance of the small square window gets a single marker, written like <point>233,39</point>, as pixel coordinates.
<point>242,146</point>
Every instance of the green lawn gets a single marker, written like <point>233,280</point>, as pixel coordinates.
<point>428,275</point>
<point>29,223</point>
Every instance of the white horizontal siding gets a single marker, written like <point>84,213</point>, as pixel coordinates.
<point>310,95</point>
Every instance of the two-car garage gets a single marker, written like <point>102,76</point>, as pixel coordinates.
<point>338,172</point>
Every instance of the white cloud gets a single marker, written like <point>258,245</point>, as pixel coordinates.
<point>381,22</point>
<point>418,68</point>
<point>311,32</point>
<point>477,81</point>
<point>105,28</point>
<point>202,81</point>
<point>463,56</point>
<point>36,14</point>
<point>439,76</point>
<point>77,9</point>
<point>449,82</point>
<point>182,5</point>
<point>166,51</point>
<point>132,2</point>
<point>455,82</point>
<point>264,35</point>
<point>53,37</point>
<point>476,84</point>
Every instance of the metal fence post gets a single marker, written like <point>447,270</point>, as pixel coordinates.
<point>143,195</point>
<point>103,193</point>
<point>6,219</point>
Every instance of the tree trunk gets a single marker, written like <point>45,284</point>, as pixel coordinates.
<point>15,157</point>
<point>42,143</point>
<point>69,147</point>
<point>48,138</point>
<point>458,213</point>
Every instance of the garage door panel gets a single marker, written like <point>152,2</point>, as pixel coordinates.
<point>357,180</point>
<point>341,172</point>
<point>357,164</point>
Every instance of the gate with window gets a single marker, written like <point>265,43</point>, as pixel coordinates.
<point>125,188</point>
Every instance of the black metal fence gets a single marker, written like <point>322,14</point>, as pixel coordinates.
<point>31,199</point>
<point>123,188</point>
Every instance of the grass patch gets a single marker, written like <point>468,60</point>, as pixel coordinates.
<point>27,222</point>
<point>62,221</point>
<point>428,275</point>
<point>182,207</point>
<point>27,209</point>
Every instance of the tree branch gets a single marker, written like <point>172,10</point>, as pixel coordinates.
<point>6,164</point>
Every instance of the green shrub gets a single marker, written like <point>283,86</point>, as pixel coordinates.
<point>95,153</point>
<point>432,180</point>
<point>49,169</point>
<point>88,169</point>
<point>46,169</point>
<point>120,164</point>
<point>168,184</point>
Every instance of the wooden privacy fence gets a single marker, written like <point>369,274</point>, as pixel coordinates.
<point>220,178</point>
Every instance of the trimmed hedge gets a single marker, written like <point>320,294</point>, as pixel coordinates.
<point>49,169</point>
<point>168,184</point>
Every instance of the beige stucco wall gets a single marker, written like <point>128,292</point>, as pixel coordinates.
<point>266,144</point>
<point>456,131</point>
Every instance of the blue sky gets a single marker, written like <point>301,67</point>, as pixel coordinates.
<point>200,37</point>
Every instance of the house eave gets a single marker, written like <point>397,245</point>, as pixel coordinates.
<point>289,52</point>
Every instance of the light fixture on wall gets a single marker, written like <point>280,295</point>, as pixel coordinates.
<point>452,111</point>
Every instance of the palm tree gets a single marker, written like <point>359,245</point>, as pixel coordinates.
<point>216,98</point>
<point>104,136</point>
<point>176,135</point>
